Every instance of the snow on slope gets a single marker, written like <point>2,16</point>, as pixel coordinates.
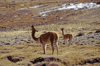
<point>71,6</point>
<point>37,6</point>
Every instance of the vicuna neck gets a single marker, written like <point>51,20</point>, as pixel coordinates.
<point>63,32</point>
<point>33,36</point>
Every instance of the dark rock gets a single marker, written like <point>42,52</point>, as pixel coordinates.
<point>80,34</point>
<point>98,31</point>
<point>2,28</point>
<point>90,61</point>
<point>90,32</point>
<point>98,2</point>
<point>6,43</point>
<point>15,58</point>
<point>64,43</point>
<point>40,59</point>
<point>12,60</point>
<point>91,37</point>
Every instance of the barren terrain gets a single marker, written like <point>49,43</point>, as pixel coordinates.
<point>17,48</point>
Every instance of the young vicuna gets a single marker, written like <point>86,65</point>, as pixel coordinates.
<point>66,36</point>
<point>49,37</point>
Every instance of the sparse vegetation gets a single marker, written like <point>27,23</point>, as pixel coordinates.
<point>17,48</point>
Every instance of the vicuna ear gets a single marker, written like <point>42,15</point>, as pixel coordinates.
<point>32,26</point>
<point>36,30</point>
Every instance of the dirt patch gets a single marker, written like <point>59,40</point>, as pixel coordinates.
<point>47,64</point>
<point>15,58</point>
<point>90,61</point>
<point>47,59</point>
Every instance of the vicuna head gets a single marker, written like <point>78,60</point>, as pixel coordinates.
<point>62,29</point>
<point>33,29</point>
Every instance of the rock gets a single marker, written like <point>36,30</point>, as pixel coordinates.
<point>90,33</point>
<point>90,61</point>
<point>90,37</point>
<point>98,31</point>
<point>80,34</point>
<point>40,59</point>
<point>6,43</point>
<point>15,58</point>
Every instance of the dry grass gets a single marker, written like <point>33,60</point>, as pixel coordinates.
<point>71,55</point>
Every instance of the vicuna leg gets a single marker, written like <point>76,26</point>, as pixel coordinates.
<point>44,47</point>
<point>70,40</point>
<point>52,47</point>
<point>64,41</point>
<point>57,47</point>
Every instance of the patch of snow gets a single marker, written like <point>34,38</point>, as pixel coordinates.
<point>61,17</point>
<point>44,12</point>
<point>80,6</point>
<point>22,8</point>
<point>64,5</point>
<point>71,6</point>
<point>25,14</point>
<point>16,16</point>
<point>37,6</point>
<point>34,7</point>
<point>44,15</point>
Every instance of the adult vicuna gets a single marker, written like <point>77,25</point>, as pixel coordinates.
<point>66,36</point>
<point>48,37</point>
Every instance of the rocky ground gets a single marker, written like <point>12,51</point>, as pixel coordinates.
<point>90,38</point>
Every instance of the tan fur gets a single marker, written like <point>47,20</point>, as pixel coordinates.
<point>49,37</point>
<point>66,36</point>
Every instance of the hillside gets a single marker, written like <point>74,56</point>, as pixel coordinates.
<point>14,16</point>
